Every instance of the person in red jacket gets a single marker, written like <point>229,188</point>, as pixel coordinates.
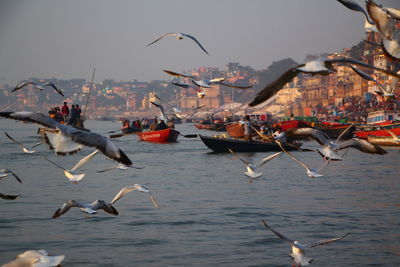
<point>65,112</point>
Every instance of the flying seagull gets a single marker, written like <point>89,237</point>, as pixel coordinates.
<point>251,168</point>
<point>68,139</point>
<point>311,173</point>
<point>298,249</point>
<point>386,26</point>
<point>71,174</point>
<point>24,148</point>
<point>385,92</point>
<point>369,24</point>
<point>120,166</point>
<point>199,90</point>
<point>137,187</point>
<point>88,208</point>
<point>162,113</point>
<point>331,147</point>
<point>6,172</point>
<point>318,66</point>
<point>179,36</point>
<point>38,86</point>
<point>38,258</point>
<point>8,197</point>
<point>205,83</point>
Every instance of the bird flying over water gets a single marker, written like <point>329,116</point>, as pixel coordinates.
<point>137,187</point>
<point>179,36</point>
<point>86,207</point>
<point>298,249</point>
<point>68,139</point>
<point>38,86</point>
<point>35,258</point>
<point>318,66</point>
<point>6,172</point>
<point>71,174</point>
<point>251,168</point>
<point>24,148</point>
<point>120,167</point>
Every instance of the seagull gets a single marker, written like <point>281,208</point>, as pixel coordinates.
<point>318,66</point>
<point>24,148</point>
<point>162,115</point>
<point>386,26</point>
<point>71,174</point>
<point>38,86</point>
<point>68,139</point>
<point>8,197</point>
<point>369,24</point>
<point>90,208</point>
<point>205,83</point>
<point>298,253</point>
<point>38,258</point>
<point>179,36</point>
<point>331,147</point>
<point>137,187</point>
<point>5,172</point>
<point>199,90</point>
<point>311,173</point>
<point>387,93</point>
<point>251,168</point>
<point>121,167</point>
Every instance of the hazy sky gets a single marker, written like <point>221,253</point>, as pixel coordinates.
<point>66,39</point>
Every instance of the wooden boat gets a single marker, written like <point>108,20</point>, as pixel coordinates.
<point>130,129</point>
<point>382,140</point>
<point>160,136</point>
<point>235,130</point>
<point>203,126</point>
<point>223,144</point>
<point>365,130</point>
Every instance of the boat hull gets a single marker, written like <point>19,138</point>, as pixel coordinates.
<point>382,141</point>
<point>364,131</point>
<point>161,136</point>
<point>223,144</point>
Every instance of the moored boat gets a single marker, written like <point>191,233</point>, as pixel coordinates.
<point>365,130</point>
<point>160,136</point>
<point>219,144</point>
<point>130,129</point>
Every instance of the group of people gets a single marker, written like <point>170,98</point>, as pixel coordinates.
<point>277,134</point>
<point>66,115</point>
<point>151,124</point>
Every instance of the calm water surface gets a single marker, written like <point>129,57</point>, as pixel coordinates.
<point>209,215</point>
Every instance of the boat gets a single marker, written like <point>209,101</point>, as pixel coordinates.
<point>202,126</point>
<point>222,144</point>
<point>130,130</point>
<point>364,130</point>
<point>160,136</point>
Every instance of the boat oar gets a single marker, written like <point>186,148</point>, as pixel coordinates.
<point>116,135</point>
<point>189,135</point>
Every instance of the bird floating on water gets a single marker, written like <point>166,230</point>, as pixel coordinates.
<point>251,168</point>
<point>35,258</point>
<point>38,86</point>
<point>24,148</point>
<point>68,139</point>
<point>298,249</point>
<point>71,174</point>
<point>318,66</point>
<point>179,36</point>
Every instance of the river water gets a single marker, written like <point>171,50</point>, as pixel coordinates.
<point>209,215</point>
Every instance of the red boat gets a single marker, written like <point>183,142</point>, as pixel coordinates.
<point>203,126</point>
<point>363,131</point>
<point>160,136</point>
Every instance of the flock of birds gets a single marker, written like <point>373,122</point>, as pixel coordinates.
<point>66,139</point>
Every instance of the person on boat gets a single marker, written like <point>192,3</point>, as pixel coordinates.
<point>247,128</point>
<point>161,125</point>
<point>73,116</point>
<point>279,135</point>
<point>153,125</point>
<point>171,124</point>
<point>65,112</point>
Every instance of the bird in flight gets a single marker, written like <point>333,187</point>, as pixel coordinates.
<point>179,36</point>
<point>38,86</point>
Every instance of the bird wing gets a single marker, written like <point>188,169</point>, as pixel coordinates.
<point>362,145</point>
<point>55,164</point>
<point>21,85</point>
<point>233,86</point>
<point>15,141</point>
<point>38,144</point>
<point>67,206</point>
<point>360,63</point>
<point>184,85</point>
<point>54,87</point>
<point>199,107</point>
<point>366,76</point>
<point>383,22</point>
<point>281,236</point>
<point>178,74</point>
<point>152,198</point>
<point>344,132</point>
<point>162,36</point>
<point>33,117</point>
<point>197,42</point>
<point>109,169</point>
<point>293,157</point>
<point>84,160</point>
<point>268,158</point>
<point>239,157</point>
<point>355,7</point>
<point>318,135</point>
<point>394,13</point>
<point>275,86</point>
<point>8,197</point>
<point>122,193</point>
<point>15,176</point>
<point>323,241</point>
<point>104,144</point>
<point>163,116</point>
